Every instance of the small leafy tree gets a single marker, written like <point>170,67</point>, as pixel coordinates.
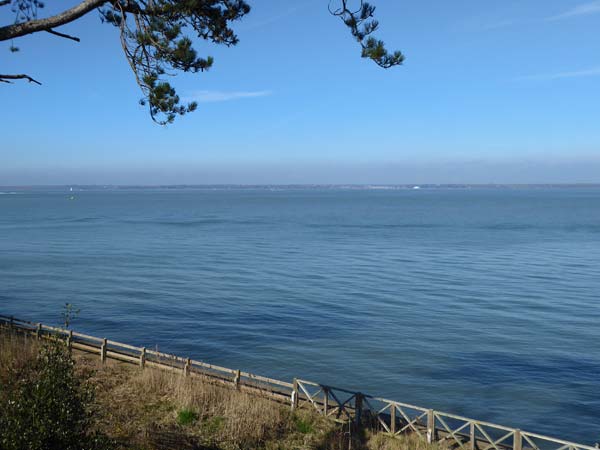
<point>156,37</point>
<point>69,314</point>
<point>47,406</point>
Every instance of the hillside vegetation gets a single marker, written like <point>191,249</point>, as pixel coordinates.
<point>50,399</point>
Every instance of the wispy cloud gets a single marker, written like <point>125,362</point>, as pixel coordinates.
<point>584,9</point>
<point>273,17</point>
<point>269,20</point>
<point>594,72</point>
<point>223,96</point>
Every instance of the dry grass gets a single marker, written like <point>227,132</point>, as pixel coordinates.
<point>380,441</point>
<point>154,409</point>
<point>225,416</point>
<point>15,351</point>
<point>143,406</point>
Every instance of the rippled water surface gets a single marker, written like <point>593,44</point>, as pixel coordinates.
<point>480,302</point>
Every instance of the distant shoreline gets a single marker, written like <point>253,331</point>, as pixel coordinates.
<point>267,187</point>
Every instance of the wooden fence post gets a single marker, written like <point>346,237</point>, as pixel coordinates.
<point>472,436</point>
<point>325,400</point>
<point>393,419</point>
<point>430,426</point>
<point>11,324</point>
<point>103,351</point>
<point>143,357</point>
<point>186,367</point>
<point>294,398</point>
<point>358,409</point>
<point>38,331</point>
<point>236,379</point>
<point>517,440</point>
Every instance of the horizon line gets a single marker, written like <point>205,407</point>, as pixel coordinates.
<point>305,185</point>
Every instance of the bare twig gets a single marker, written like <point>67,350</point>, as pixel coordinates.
<point>6,78</point>
<point>63,35</point>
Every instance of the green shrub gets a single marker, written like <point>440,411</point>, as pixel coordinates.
<point>45,405</point>
<point>186,417</point>
<point>303,426</point>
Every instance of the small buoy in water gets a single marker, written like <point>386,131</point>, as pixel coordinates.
<point>71,197</point>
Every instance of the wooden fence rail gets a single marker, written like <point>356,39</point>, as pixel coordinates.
<point>391,417</point>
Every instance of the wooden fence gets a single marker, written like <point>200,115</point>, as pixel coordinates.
<point>391,417</point>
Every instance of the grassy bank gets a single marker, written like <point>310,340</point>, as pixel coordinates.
<point>130,408</point>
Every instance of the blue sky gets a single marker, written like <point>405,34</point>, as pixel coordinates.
<point>490,92</point>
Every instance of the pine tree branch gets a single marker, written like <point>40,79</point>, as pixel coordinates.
<point>7,78</point>
<point>33,26</point>
<point>362,25</point>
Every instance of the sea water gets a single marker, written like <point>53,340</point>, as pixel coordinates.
<point>479,302</point>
